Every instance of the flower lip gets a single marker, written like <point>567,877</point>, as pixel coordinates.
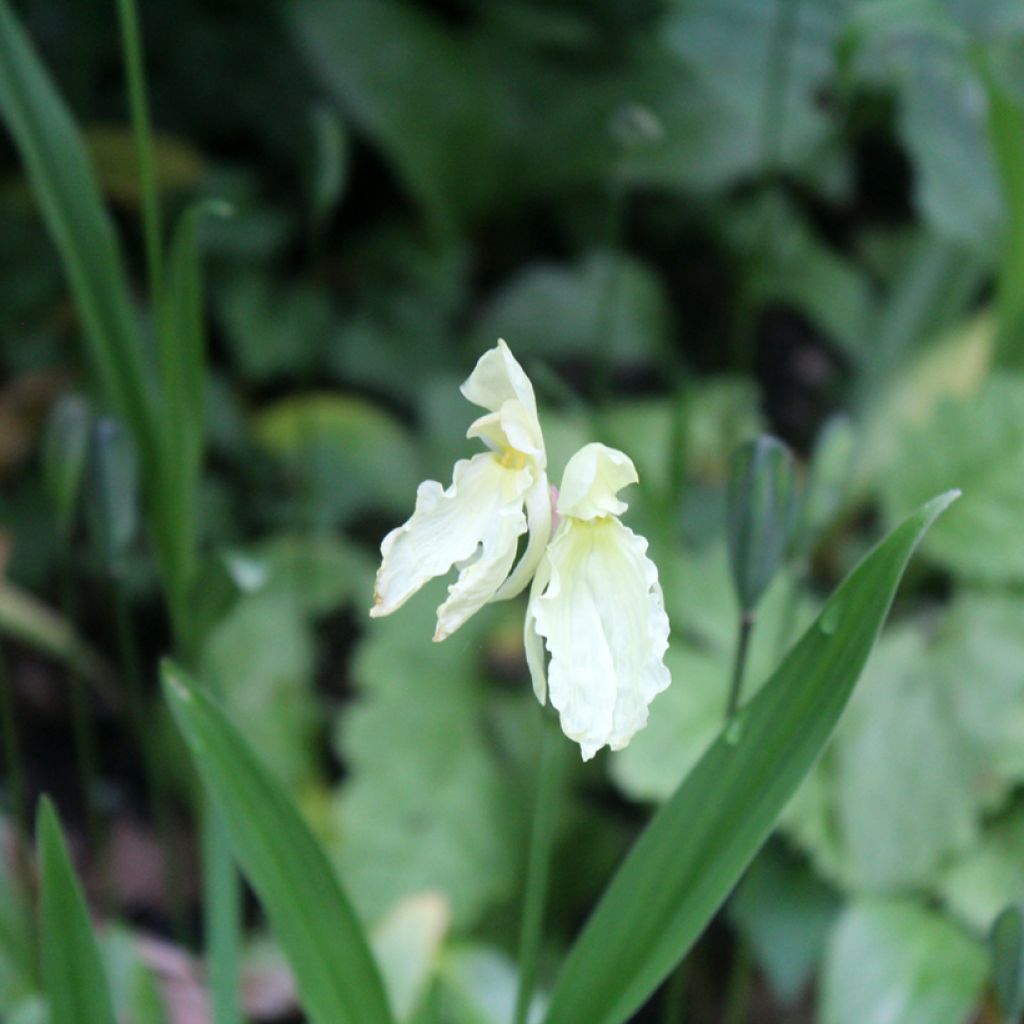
<point>592,479</point>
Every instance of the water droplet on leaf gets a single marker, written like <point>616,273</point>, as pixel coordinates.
<point>828,623</point>
<point>733,732</point>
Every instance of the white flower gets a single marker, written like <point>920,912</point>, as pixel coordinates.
<point>597,604</point>
<point>476,523</point>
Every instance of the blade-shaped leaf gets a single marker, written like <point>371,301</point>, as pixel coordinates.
<point>65,188</point>
<point>182,382</point>
<point>72,969</point>
<point>337,978</point>
<point>696,847</point>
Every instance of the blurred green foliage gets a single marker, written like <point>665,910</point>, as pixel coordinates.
<point>692,220</point>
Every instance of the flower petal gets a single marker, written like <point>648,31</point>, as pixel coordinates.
<point>603,618</point>
<point>476,523</point>
<point>592,478</point>
<point>538,513</point>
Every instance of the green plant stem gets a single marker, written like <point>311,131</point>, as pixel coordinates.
<point>131,42</point>
<point>81,721</point>
<point>13,758</point>
<point>223,904</point>
<point>739,665</point>
<point>129,656</point>
<point>542,836</point>
<point>741,978</point>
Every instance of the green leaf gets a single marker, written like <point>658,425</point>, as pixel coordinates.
<point>259,661</point>
<point>924,54</point>
<point>896,962</point>
<point>785,912</point>
<point>978,442</point>
<point>183,391</point>
<point>416,91</point>
<point>686,861</point>
<point>310,914</point>
<point>985,878</point>
<point>426,805</point>
<point>905,798</point>
<point>72,969</point>
<point>65,188</point>
<point>609,299</point>
<point>348,454</point>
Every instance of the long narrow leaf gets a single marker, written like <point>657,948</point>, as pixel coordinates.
<point>76,985</point>
<point>62,180</point>
<point>182,383</point>
<point>693,852</point>
<point>337,978</point>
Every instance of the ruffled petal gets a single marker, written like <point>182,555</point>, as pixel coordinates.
<point>476,524</point>
<point>602,616</point>
<point>499,384</point>
<point>592,478</point>
<point>538,513</point>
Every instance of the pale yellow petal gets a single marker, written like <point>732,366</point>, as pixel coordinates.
<point>592,478</point>
<point>477,520</point>
<point>603,620</point>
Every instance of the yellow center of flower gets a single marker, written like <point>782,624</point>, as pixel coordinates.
<point>510,458</point>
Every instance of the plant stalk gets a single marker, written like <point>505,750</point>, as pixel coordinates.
<point>739,665</point>
<point>542,835</point>
<point>131,42</point>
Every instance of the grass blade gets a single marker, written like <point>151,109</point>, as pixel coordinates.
<point>337,978</point>
<point>693,852</point>
<point>62,180</point>
<point>76,985</point>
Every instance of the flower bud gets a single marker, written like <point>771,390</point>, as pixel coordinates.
<point>760,507</point>
<point>112,492</point>
<point>65,445</point>
<point>1006,943</point>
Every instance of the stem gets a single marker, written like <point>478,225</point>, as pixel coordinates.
<point>223,893</point>
<point>13,757</point>
<point>129,656</point>
<point>737,997</point>
<point>81,721</point>
<point>739,665</point>
<point>131,42</point>
<point>542,835</point>
<point>672,1004</point>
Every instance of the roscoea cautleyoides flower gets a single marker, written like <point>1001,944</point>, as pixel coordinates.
<point>475,525</point>
<point>597,606</point>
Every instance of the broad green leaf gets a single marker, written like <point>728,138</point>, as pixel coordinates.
<point>426,805</point>
<point>978,884</point>
<point>609,303</point>
<point>925,55</point>
<point>72,969</point>
<point>730,55</point>
<point>693,852</point>
<point>58,168</point>
<point>904,771</point>
<point>407,943</point>
<point>347,454</point>
<point>979,444</point>
<point>417,91</point>
<point>259,660</point>
<point>478,986</point>
<point>896,962</point>
<point>785,913</point>
<point>310,914</point>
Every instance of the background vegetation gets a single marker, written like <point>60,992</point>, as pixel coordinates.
<point>693,220</point>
